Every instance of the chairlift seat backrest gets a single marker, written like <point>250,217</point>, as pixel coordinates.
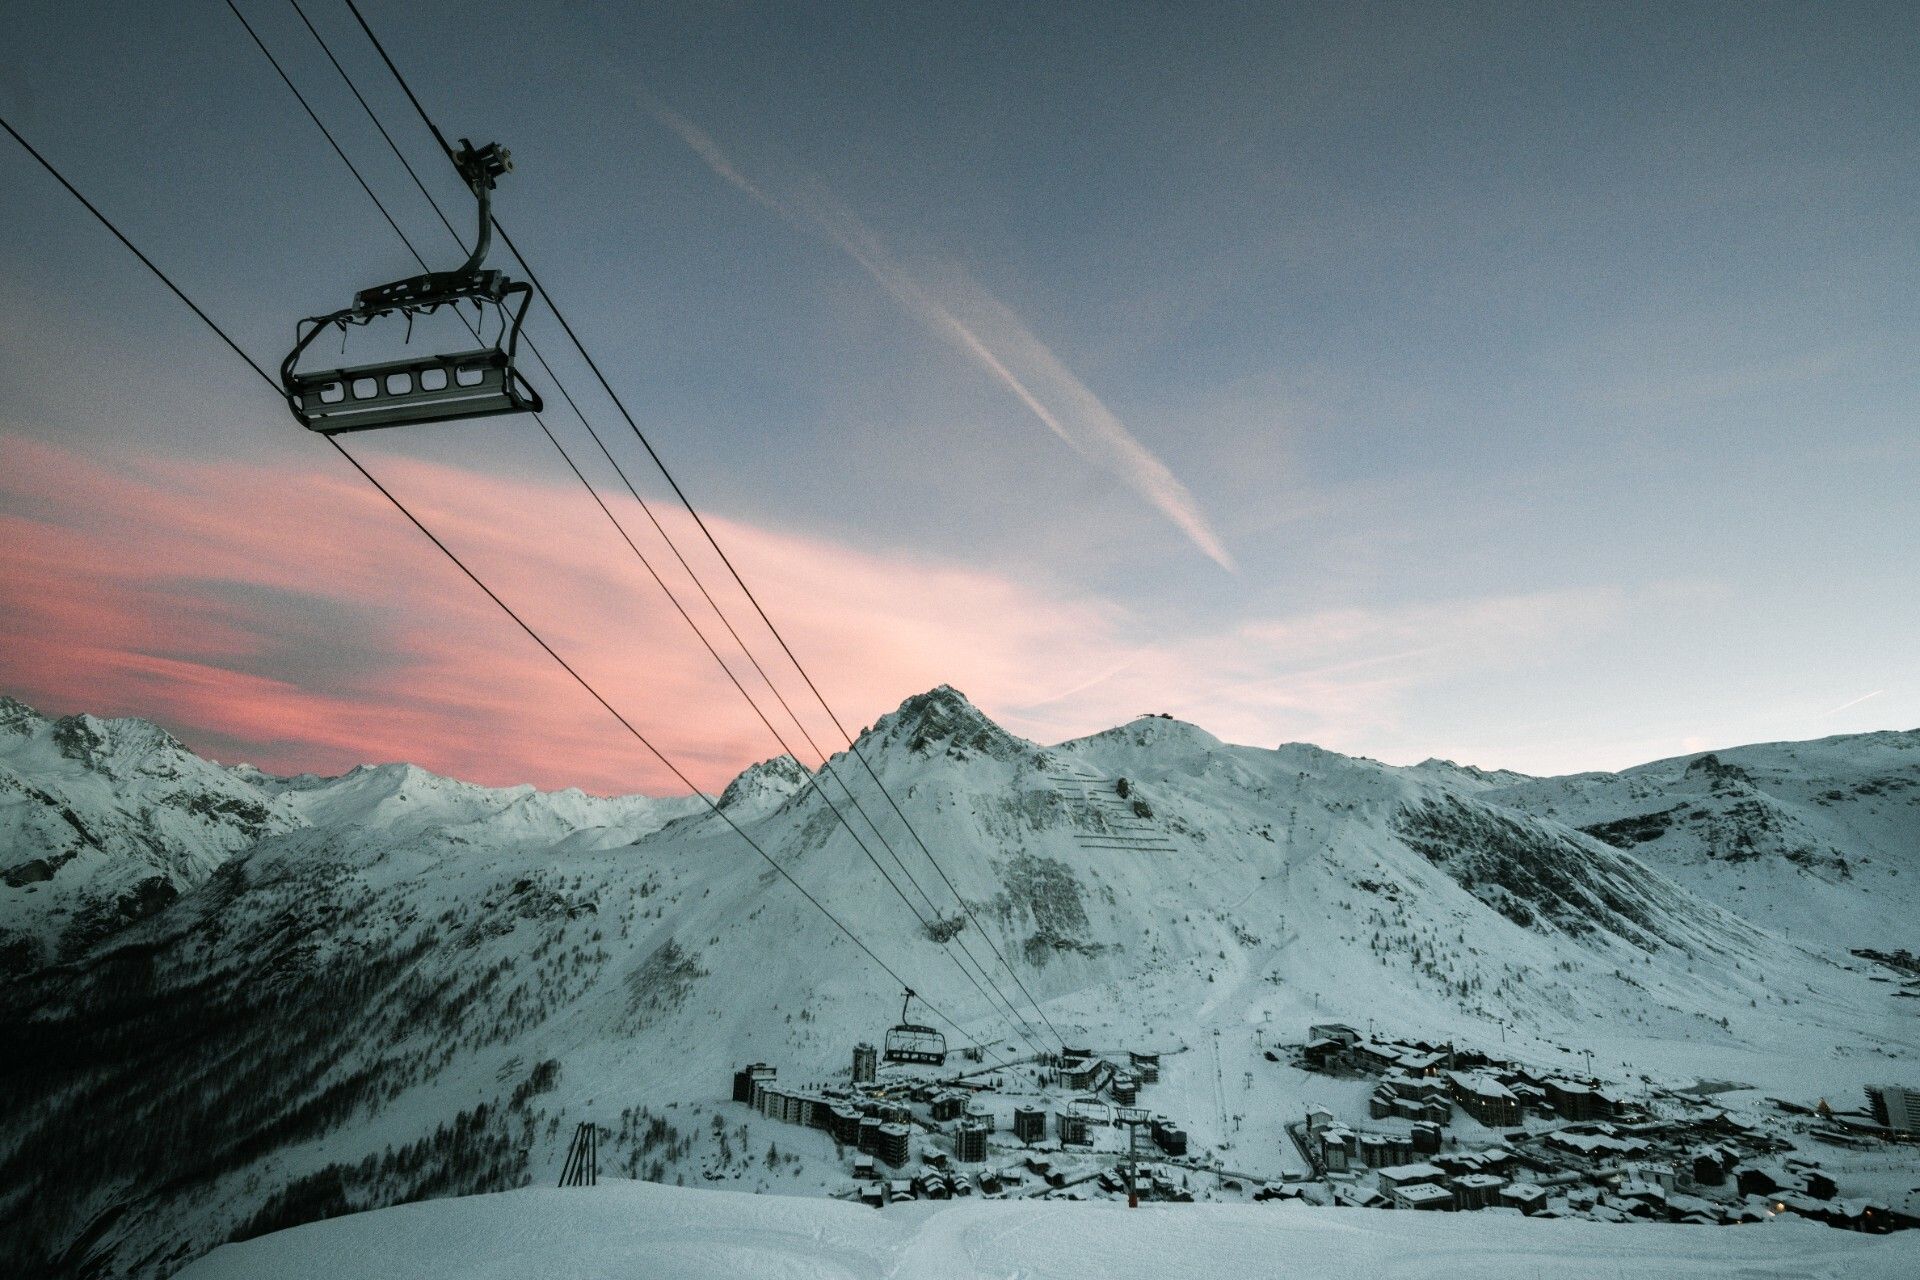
<point>911,1042</point>
<point>465,384</point>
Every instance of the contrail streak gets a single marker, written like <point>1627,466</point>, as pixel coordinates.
<point>1856,702</point>
<point>993,337</point>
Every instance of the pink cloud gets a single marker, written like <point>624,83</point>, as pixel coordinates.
<point>290,617</point>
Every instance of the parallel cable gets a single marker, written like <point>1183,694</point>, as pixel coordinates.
<point>673,546</point>
<point>620,404</point>
<point>324,131</point>
<point>475,578</point>
<point>811,778</point>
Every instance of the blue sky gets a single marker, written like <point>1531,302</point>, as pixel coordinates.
<point>1531,386</point>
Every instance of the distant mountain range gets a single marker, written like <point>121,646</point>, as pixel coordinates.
<point>252,1000</point>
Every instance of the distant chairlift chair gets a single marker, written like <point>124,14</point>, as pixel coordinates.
<point>913,1042</point>
<point>475,383</point>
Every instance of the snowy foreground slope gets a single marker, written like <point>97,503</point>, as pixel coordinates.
<point>627,1231</point>
<point>406,987</point>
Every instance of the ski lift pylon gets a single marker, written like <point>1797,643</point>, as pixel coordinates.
<point>914,1042</point>
<point>474,383</point>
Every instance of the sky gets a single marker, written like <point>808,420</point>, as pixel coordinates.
<point>1531,387</point>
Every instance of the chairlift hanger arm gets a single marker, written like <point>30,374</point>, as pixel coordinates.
<point>466,384</point>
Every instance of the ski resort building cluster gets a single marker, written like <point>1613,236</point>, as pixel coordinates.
<point>1555,1145</point>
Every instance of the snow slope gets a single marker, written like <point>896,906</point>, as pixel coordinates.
<point>103,822</point>
<point>1819,840</point>
<point>371,1007</point>
<point>629,1229</point>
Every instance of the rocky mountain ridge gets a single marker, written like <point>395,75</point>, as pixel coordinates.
<point>366,1007</point>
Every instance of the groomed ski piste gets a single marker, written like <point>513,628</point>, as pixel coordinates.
<point>628,1230</point>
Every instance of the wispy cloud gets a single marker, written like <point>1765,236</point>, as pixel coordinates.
<point>191,592</point>
<point>708,150</point>
<point>1854,703</point>
<point>988,333</point>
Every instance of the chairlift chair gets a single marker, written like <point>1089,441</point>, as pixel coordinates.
<point>474,383</point>
<point>913,1042</point>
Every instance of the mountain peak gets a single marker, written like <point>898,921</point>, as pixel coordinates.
<point>944,715</point>
<point>765,786</point>
<point>1719,774</point>
<point>17,716</point>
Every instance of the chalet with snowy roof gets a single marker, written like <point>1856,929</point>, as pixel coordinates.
<point>1403,1084</point>
<point>1576,1101</point>
<point>1660,1175</point>
<point>1692,1210</point>
<point>1280,1191</point>
<point>1407,1174</point>
<point>1477,1190</point>
<point>1435,1111</point>
<point>1322,1053</point>
<point>1375,1057</point>
<point>1524,1196</point>
<point>1352,1197</point>
<point>1531,1096</point>
<point>1422,1195</point>
<point>1421,1063</point>
<point>1484,1098</point>
<point>1597,1145</point>
<point>1146,1066</point>
<point>1339,1031</point>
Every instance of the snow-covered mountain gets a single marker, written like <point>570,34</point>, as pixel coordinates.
<point>1818,840</point>
<point>409,987</point>
<point>103,822</point>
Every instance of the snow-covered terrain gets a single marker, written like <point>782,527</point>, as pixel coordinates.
<point>1816,840</point>
<point>409,987</point>
<point>620,1230</point>
<point>105,821</point>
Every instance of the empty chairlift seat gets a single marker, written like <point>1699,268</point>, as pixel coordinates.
<point>466,384</point>
<point>912,1041</point>
<point>474,383</point>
